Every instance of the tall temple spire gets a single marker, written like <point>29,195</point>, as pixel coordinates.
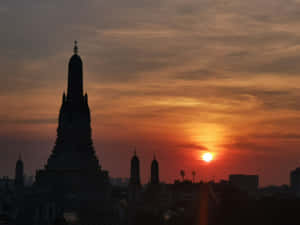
<point>74,130</point>
<point>75,47</point>
<point>73,168</point>
<point>75,78</point>
<point>154,171</point>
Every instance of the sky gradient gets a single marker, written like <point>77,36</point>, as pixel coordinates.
<point>171,77</point>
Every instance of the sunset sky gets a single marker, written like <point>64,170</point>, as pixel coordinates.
<point>172,77</point>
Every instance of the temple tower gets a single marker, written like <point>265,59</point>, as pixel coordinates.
<point>74,149</point>
<point>154,171</point>
<point>135,180</point>
<point>73,172</point>
<point>135,170</point>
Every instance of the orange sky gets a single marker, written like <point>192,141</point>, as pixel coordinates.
<point>174,78</point>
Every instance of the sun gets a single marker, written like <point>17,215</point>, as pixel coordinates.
<point>207,157</point>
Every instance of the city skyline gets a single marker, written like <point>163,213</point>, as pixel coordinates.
<point>172,78</point>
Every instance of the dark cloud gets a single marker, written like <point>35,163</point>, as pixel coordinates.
<point>288,65</point>
<point>192,146</point>
<point>292,136</point>
<point>201,74</point>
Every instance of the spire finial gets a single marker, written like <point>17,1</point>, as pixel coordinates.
<point>20,156</point>
<point>154,156</point>
<point>75,47</point>
<point>134,151</point>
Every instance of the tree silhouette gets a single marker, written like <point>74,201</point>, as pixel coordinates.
<point>182,174</point>
<point>194,175</point>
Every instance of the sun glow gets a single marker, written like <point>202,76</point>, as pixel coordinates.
<point>210,136</point>
<point>209,140</point>
<point>207,157</point>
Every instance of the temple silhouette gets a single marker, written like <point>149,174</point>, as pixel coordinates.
<point>72,184</point>
<point>73,170</point>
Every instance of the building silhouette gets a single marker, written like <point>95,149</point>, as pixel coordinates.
<point>72,177</point>
<point>154,171</point>
<point>135,171</point>
<point>295,180</point>
<point>19,174</point>
<point>134,180</point>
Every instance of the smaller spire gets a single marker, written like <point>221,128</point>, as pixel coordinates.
<point>134,151</point>
<point>75,47</point>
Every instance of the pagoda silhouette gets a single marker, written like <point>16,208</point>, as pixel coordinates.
<point>73,177</point>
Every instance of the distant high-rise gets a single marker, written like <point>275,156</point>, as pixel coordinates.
<point>19,174</point>
<point>295,180</point>
<point>73,172</point>
<point>154,172</point>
